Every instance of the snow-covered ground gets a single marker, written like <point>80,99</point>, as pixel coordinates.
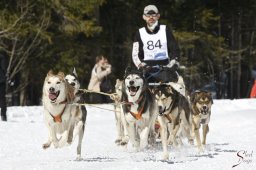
<point>231,141</point>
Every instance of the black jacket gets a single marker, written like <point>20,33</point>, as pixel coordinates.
<point>173,48</point>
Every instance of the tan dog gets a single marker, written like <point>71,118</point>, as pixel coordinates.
<point>118,111</point>
<point>61,118</point>
<point>201,102</point>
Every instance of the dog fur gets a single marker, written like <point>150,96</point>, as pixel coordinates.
<point>201,102</point>
<point>139,111</point>
<point>174,116</point>
<point>63,120</point>
<point>118,111</point>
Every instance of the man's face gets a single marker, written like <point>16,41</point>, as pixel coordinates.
<point>151,18</point>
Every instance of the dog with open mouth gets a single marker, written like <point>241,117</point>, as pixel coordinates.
<point>201,103</point>
<point>63,120</point>
<point>139,111</point>
<point>174,116</point>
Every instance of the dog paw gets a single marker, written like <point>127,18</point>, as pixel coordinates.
<point>191,141</point>
<point>200,149</point>
<point>56,144</point>
<point>165,156</point>
<point>46,145</point>
<point>123,143</point>
<point>118,141</point>
<point>78,158</point>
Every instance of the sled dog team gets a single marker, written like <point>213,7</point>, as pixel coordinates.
<point>138,108</point>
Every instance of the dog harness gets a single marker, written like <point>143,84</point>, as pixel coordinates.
<point>57,118</point>
<point>138,115</point>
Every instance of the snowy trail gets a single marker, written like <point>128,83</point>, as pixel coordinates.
<point>232,130</point>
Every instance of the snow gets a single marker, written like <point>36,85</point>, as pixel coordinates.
<point>232,132</point>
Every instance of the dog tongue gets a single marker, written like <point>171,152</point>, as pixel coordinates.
<point>52,96</point>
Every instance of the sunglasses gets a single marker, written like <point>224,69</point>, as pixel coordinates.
<point>150,15</point>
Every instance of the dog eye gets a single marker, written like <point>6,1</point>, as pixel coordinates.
<point>58,82</point>
<point>49,82</point>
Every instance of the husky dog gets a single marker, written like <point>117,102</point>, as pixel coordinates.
<point>140,111</point>
<point>118,111</point>
<point>174,115</point>
<point>201,102</point>
<point>61,118</point>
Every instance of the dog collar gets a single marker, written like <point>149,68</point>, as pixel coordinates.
<point>137,102</point>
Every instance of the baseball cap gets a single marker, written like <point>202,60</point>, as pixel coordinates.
<point>150,9</point>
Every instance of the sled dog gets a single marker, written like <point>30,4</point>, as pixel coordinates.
<point>139,111</point>
<point>201,102</point>
<point>63,120</point>
<point>118,111</point>
<point>174,116</point>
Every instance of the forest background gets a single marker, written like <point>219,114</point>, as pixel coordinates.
<point>217,40</point>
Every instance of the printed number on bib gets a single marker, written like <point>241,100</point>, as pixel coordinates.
<point>151,45</point>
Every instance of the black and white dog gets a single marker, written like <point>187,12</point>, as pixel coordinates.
<point>72,79</point>
<point>139,111</point>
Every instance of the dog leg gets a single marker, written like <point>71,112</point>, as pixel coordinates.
<point>132,134</point>
<point>119,127</point>
<point>70,134</point>
<point>80,138</point>
<point>205,131</point>
<point>126,137</point>
<point>197,134</point>
<point>53,136</point>
<point>47,144</point>
<point>144,138</point>
<point>173,135</point>
<point>79,125</point>
<point>163,134</point>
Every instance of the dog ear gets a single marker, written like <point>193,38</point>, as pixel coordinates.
<point>74,71</point>
<point>210,96</point>
<point>169,89</point>
<point>193,97</point>
<point>61,75</point>
<point>69,92</point>
<point>50,73</point>
<point>127,71</point>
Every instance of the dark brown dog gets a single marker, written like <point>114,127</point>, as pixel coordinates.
<point>201,102</point>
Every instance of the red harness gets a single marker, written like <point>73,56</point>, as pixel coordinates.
<point>137,115</point>
<point>57,118</point>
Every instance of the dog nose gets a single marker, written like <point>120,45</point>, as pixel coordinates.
<point>160,108</point>
<point>51,89</point>
<point>131,82</point>
<point>72,84</point>
<point>204,107</point>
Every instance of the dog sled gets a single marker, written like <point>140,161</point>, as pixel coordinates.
<point>162,75</point>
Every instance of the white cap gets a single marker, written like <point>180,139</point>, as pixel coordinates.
<point>150,8</point>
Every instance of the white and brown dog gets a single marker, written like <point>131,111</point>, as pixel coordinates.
<point>63,120</point>
<point>139,111</point>
<point>201,102</point>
